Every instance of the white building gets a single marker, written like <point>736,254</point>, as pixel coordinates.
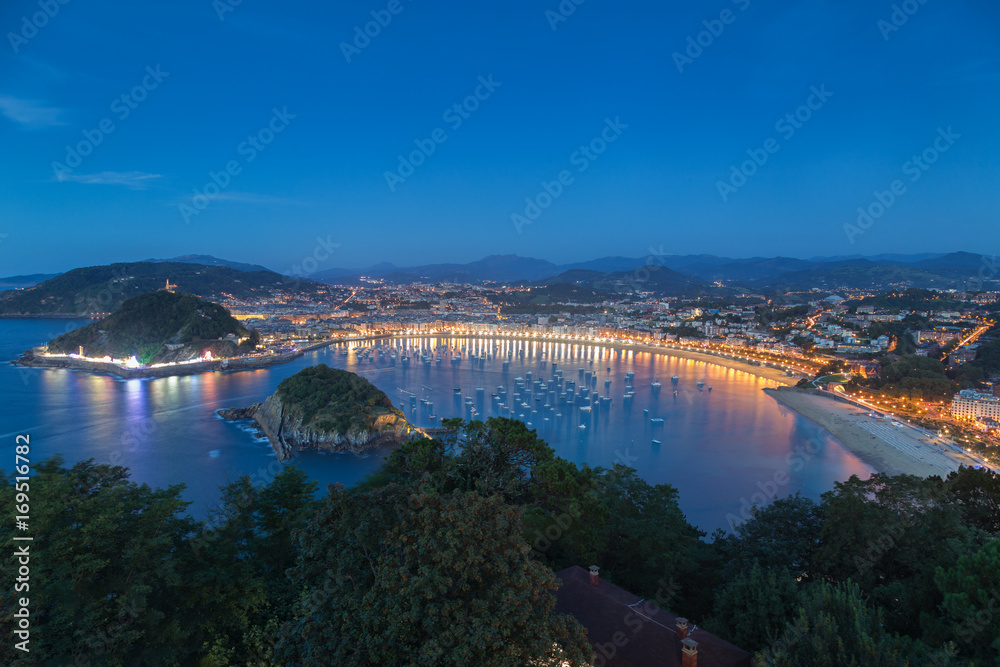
<point>971,404</point>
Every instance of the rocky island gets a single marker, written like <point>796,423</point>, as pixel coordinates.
<point>326,409</point>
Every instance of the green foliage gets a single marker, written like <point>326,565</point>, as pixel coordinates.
<point>110,569</point>
<point>835,627</point>
<point>988,358</point>
<point>915,377</point>
<point>971,590</point>
<point>334,400</point>
<point>647,538</point>
<point>121,576</point>
<point>977,493</point>
<point>783,534</point>
<point>252,544</point>
<point>913,299</point>
<point>443,557</point>
<point>424,579</point>
<point>888,534</point>
<point>635,530</point>
<point>752,609</point>
<point>143,326</point>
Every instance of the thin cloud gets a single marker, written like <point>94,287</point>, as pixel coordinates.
<point>30,113</point>
<point>133,180</point>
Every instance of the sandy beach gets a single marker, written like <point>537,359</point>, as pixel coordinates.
<point>887,445</point>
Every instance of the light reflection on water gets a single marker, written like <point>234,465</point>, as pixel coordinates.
<point>717,447</point>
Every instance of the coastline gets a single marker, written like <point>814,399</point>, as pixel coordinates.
<point>774,374</point>
<point>766,372</point>
<point>216,365</point>
<point>884,444</point>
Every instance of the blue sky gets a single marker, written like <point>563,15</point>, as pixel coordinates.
<point>272,81</point>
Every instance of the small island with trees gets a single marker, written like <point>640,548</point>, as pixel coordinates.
<point>328,409</point>
<point>158,334</point>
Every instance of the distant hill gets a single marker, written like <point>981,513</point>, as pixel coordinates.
<point>870,276</point>
<point>208,260</point>
<point>755,271</point>
<point>26,281</point>
<point>159,327</point>
<point>495,268</point>
<point>658,279</point>
<point>100,289</point>
<point>951,271</point>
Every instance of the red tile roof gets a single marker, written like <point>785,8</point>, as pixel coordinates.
<point>627,631</point>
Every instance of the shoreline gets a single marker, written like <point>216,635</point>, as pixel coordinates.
<point>887,445</point>
<point>768,373</point>
<point>763,371</point>
<point>107,368</point>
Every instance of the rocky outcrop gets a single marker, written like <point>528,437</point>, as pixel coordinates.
<point>288,434</point>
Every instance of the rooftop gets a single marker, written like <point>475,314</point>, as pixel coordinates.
<point>627,631</point>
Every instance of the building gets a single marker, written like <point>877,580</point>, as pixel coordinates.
<point>627,631</point>
<point>962,356</point>
<point>971,404</point>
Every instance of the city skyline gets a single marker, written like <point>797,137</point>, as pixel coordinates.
<point>742,130</point>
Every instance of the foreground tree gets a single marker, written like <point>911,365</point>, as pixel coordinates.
<point>784,534</point>
<point>752,610</point>
<point>444,580</point>
<point>109,569</point>
<point>977,493</point>
<point>888,534</point>
<point>971,590</point>
<point>834,627</point>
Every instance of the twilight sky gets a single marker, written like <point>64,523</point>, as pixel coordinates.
<point>249,129</point>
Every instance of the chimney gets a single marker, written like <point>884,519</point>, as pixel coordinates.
<point>594,579</point>
<point>689,653</point>
<point>682,628</point>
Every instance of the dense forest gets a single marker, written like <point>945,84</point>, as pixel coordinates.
<point>144,325</point>
<point>334,400</point>
<point>446,555</point>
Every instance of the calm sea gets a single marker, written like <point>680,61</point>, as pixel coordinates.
<point>718,447</point>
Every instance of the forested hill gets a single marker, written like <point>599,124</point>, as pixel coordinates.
<point>146,325</point>
<point>101,289</point>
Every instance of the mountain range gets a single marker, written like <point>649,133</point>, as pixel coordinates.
<point>943,271</point>
<point>672,275</point>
